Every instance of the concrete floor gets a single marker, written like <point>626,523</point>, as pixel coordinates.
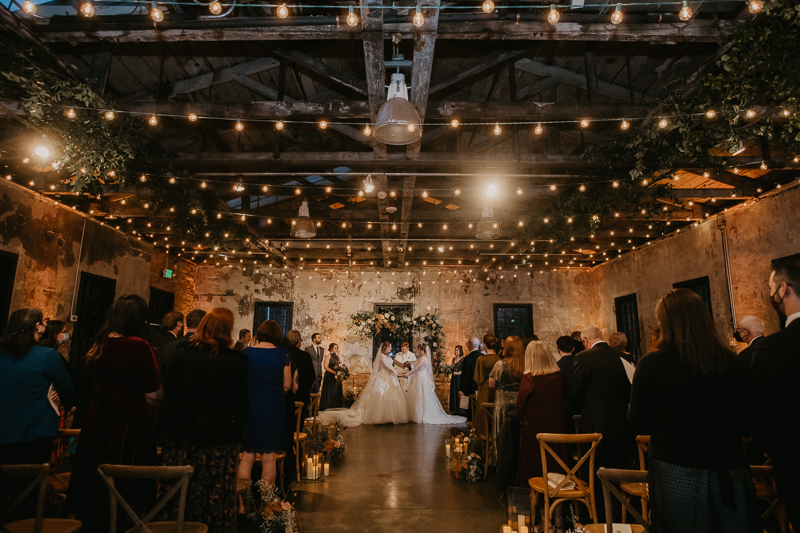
<point>393,478</point>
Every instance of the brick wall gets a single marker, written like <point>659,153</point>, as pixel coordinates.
<point>183,282</point>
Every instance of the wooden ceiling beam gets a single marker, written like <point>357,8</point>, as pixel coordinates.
<point>374,66</point>
<point>316,65</point>
<point>475,67</point>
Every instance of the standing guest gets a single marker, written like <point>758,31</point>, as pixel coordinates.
<point>504,379</point>
<point>204,412</point>
<point>55,334</point>
<point>118,427</point>
<point>269,377</point>
<point>455,381</point>
<point>483,367</point>
<point>654,336</point>
<point>244,340</point>
<point>305,369</point>
<point>291,419</point>
<point>167,352</point>
<point>501,348</point>
<point>332,396</point>
<point>171,329</point>
<point>566,351</point>
<point>690,396</point>
<point>540,406</point>
<point>317,354</point>
<point>578,342</point>
<point>775,366</point>
<point>28,422</point>
<point>619,341</point>
<point>468,385</point>
<point>751,330</point>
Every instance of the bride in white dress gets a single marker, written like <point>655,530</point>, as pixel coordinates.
<point>381,402</point>
<point>423,403</point>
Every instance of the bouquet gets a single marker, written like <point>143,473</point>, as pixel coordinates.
<point>332,440</point>
<point>274,515</point>
<point>445,369</point>
<point>342,372</point>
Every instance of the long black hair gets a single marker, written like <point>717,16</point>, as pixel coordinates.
<point>51,332</point>
<point>127,317</point>
<point>20,333</point>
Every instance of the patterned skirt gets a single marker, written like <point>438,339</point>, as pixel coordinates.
<point>211,497</point>
<point>698,500</point>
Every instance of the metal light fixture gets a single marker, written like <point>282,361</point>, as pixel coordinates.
<point>398,121</point>
<point>488,228</point>
<point>303,226</point>
<point>368,185</point>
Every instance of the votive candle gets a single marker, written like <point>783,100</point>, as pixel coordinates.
<point>310,469</point>
<point>447,449</point>
<point>506,529</point>
<point>327,470</point>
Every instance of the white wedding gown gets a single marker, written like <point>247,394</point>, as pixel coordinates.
<point>381,402</point>
<point>423,403</point>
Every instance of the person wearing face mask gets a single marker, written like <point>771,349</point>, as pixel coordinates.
<point>751,331</point>
<point>775,367</point>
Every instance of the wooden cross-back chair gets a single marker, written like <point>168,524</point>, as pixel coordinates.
<point>607,478</point>
<point>39,524</point>
<point>473,407</point>
<point>313,410</point>
<point>638,490</point>
<point>582,492</point>
<point>146,524</point>
<point>764,481</point>
<point>487,410</point>
<point>299,437</point>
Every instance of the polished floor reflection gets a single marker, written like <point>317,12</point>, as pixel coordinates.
<point>393,478</point>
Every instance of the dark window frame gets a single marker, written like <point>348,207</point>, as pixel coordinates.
<point>527,307</point>
<point>693,285</point>
<point>256,323</point>
<point>632,330</point>
<point>7,287</point>
<point>156,316</point>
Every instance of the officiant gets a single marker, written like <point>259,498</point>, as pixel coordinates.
<point>404,362</point>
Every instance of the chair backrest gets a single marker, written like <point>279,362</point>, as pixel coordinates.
<point>181,473</point>
<point>298,415</point>
<point>570,474</point>
<point>39,475</point>
<point>764,477</point>
<point>610,475</point>
<point>643,442</point>
<point>313,407</point>
<point>64,443</point>
<point>487,410</point>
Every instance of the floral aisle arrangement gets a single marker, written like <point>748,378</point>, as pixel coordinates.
<point>350,397</point>
<point>463,459</point>
<point>272,514</point>
<point>331,441</point>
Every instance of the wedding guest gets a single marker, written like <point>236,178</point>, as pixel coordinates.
<point>332,395</point>
<point>468,385</point>
<point>317,354</point>
<point>118,427</point>
<point>244,340</point>
<point>291,422</point>
<point>775,366</point>
<point>619,341</point>
<point>171,329</point>
<point>305,369</point>
<point>455,381</point>
<point>268,378</point>
<point>690,396</point>
<point>167,352</point>
<point>483,367</point>
<point>504,379</point>
<point>55,334</point>
<point>28,423</point>
<point>751,331</point>
<point>578,342</point>
<point>540,407</point>
<point>205,408</point>
<point>566,350</point>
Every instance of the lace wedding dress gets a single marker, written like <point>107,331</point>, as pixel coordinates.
<point>423,403</point>
<point>381,402</point>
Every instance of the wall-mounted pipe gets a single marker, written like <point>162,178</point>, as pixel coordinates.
<point>77,272</point>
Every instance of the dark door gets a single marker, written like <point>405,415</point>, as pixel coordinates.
<point>8,272</point>
<point>161,303</point>
<point>628,322</point>
<point>389,336</point>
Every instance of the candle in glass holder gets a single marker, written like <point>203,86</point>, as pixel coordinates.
<point>447,449</point>
<point>327,470</point>
<point>506,529</point>
<point>523,529</point>
<point>310,468</point>
<point>521,522</point>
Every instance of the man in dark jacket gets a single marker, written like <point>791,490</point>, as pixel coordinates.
<point>167,352</point>
<point>468,385</point>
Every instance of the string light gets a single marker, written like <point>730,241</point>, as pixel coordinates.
<point>519,191</point>
<point>751,113</point>
<point>582,188</point>
<point>192,117</point>
<point>663,123</point>
<point>756,6</point>
<point>538,129</point>
<point>457,192</point>
<point>239,126</point>
<point>487,6</point>
<point>497,129</point>
<point>87,9</point>
<point>351,18</point>
<point>616,16</point>
<point>710,114</point>
<point>786,112</point>
<point>203,184</point>
<point>156,14</point>
<point>264,188</point>
<point>685,12</point>
<point>109,115</point>
<point>279,125</point>
<point>554,15</point>
<point>424,194</point>
<point>615,184</point>
<point>215,7</point>
<point>30,8</point>
<point>282,11</point>
<point>584,123</point>
<point>411,127</point>
<point>419,18</point>
<point>323,124</point>
<point>625,125</point>
<point>552,187</point>
<point>367,130</point>
<point>153,120</point>
<point>454,123</point>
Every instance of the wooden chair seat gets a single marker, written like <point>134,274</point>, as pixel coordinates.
<point>538,484</point>
<point>300,436</point>
<point>601,528</point>
<point>635,489</point>
<point>58,482</point>
<point>172,527</point>
<point>49,525</point>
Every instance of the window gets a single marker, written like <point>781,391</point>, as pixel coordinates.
<point>628,323</point>
<point>161,303</point>
<point>701,286</point>
<point>280,312</point>
<point>8,272</point>
<point>513,319</point>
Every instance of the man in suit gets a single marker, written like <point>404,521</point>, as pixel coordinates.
<point>468,385</point>
<point>566,350</point>
<point>317,353</point>
<point>775,366</point>
<point>599,391</point>
<point>171,327</point>
<point>751,330</point>
<point>167,352</point>
<point>305,369</point>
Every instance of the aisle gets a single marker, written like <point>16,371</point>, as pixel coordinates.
<point>393,478</point>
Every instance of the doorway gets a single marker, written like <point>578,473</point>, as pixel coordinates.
<point>8,273</point>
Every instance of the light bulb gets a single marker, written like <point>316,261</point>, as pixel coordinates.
<point>30,8</point>
<point>109,115</point>
<point>239,126</point>
<point>352,18</point>
<point>538,129</point>
<point>454,123</point>
<point>582,188</point>
<point>625,125</point>
<point>663,123</point>
<point>156,14</point>
<point>756,6</point>
<point>153,120</point>
<point>497,129</point>
<point>87,9</point>
<point>685,12</point>
<point>367,130</point>
<point>282,11</point>
<point>323,124</point>
<point>70,113</point>
<point>750,113</point>
<point>419,18</point>
<point>519,191</point>
<point>203,184</point>
<point>424,194</point>
<point>615,184</point>
<point>457,192</point>
<point>554,15</point>
<point>491,190</point>
<point>584,123</point>
<point>215,7</point>
<point>710,113</point>
<point>42,151</point>
<point>488,6</point>
<point>411,127</point>
<point>616,16</point>
<point>552,187</point>
<point>786,112</point>
<point>279,125</point>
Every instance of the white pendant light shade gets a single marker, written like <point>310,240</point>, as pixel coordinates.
<point>488,227</point>
<point>303,226</point>
<point>398,121</point>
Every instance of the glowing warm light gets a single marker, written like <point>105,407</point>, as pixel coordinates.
<point>625,125</point>
<point>42,151</point>
<point>109,115</point>
<point>491,190</point>
<point>457,192</point>
<point>29,7</point>
<point>554,15</point>
<point>424,194</point>
<point>519,191</point>
<point>497,129</point>
<point>156,14</point>
<point>282,11</point>
<point>367,130</point>
<point>616,16</point>
<point>411,127</point>
<point>487,6</point>
<point>756,6</point>
<point>710,113</point>
<point>685,12</point>
<point>192,117</point>
<point>454,123</point>
<point>87,9</point>
<point>419,18</point>
<point>239,126</point>
<point>582,188</point>
<point>153,120</point>
<point>751,113</point>
<point>323,124</point>
<point>584,123</point>
<point>215,7</point>
<point>663,123</point>
<point>279,125</point>
<point>351,18</point>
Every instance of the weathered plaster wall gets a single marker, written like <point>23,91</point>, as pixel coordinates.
<point>47,239</point>
<point>757,233</point>
<point>560,300</point>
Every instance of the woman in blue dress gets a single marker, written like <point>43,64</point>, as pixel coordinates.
<point>268,378</point>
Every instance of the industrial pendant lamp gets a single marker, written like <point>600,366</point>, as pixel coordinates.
<point>303,226</point>
<point>488,228</point>
<point>398,121</point>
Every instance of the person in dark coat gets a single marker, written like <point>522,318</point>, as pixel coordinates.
<point>566,351</point>
<point>305,369</point>
<point>167,352</point>
<point>171,329</point>
<point>751,331</point>
<point>468,385</point>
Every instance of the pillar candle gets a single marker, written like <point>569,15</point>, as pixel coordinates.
<point>523,529</point>
<point>310,469</point>
<point>506,529</point>
<point>326,469</point>
<point>521,522</point>
<point>447,449</point>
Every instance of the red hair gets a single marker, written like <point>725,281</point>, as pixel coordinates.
<point>215,330</point>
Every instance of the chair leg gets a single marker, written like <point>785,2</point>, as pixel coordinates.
<point>534,506</point>
<point>297,459</point>
<point>280,476</point>
<point>624,510</point>
<point>546,514</point>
